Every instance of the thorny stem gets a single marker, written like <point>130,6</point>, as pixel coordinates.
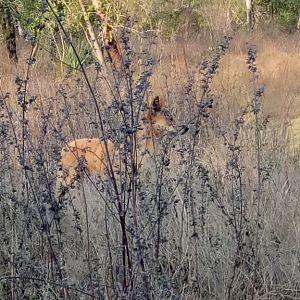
<point>256,111</point>
<point>2,278</point>
<point>122,216</point>
<point>28,179</point>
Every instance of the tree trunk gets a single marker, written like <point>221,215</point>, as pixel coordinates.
<point>250,17</point>
<point>9,31</point>
<point>108,39</point>
<point>93,39</point>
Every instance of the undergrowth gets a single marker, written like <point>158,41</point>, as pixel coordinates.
<point>212,214</point>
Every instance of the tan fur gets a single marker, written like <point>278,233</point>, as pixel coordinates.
<point>91,153</point>
<point>113,52</point>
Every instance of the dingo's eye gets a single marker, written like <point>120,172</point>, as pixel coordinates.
<point>168,115</point>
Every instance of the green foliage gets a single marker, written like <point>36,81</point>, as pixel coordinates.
<point>34,16</point>
<point>170,17</point>
<point>70,58</point>
<point>238,9</point>
<point>287,12</point>
<point>6,17</point>
<point>168,21</point>
<point>72,17</point>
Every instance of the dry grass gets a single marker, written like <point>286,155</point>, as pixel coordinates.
<point>224,233</point>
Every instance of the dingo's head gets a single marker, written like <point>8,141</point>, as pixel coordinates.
<point>161,121</point>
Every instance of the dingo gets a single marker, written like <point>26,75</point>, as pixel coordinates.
<point>93,154</point>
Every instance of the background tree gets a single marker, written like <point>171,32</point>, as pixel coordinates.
<point>249,12</point>
<point>8,29</point>
<point>92,24</point>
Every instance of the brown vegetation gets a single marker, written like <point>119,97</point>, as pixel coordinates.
<point>215,217</point>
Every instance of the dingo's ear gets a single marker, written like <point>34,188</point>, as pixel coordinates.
<point>156,104</point>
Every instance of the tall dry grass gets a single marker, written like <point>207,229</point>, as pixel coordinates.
<point>214,214</point>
